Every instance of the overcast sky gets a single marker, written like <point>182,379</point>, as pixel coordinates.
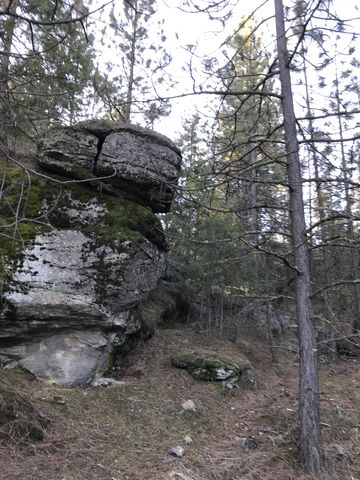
<point>206,37</point>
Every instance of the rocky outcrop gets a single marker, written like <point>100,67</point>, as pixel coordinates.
<point>127,158</point>
<point>85,251</point>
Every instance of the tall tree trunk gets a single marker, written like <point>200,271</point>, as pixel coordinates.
<point>311,451</point>
<point>8,27</point>
<point>354,255</point>
<point>321,207</point>
<point>253,196</point>
<point>131,80</point>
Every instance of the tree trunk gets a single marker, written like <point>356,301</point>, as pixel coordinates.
<point>130,87</point>
<point>354,255</point>
<point>8,27</point>
<point>321,207</point>
<point>311,451</point>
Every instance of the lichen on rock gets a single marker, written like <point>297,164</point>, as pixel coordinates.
<point>81,253</point>
<point>142,164</point>
<point>210,367</point>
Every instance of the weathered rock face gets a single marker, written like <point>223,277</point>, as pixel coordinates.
<point>127,158</point>
<point>69,279</point>
<point>87,256</point>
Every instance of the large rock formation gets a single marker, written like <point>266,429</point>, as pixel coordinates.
<point>147,168</point>
<point>83,248</point>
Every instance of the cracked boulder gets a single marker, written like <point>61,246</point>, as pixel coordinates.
<point>78,262</point>
<point>137,162</point>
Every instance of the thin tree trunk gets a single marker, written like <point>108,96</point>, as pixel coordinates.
<point>130,89</point>
<point>354,255</point>
<point>209,314</point>
<point>270,334</point>
<point>221,325</point>
<point>253,194</point>
<point>326,256</point>
<point>8,26</point>
<point>311,451</point>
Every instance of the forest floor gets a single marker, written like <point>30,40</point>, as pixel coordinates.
<point>125,432</point>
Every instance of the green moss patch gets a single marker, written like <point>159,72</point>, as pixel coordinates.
<point>30,203</point>
<point>208,366</point>
<point>22,213</point>
<point>127,220</point>
<point>167,304</point>
<point>33,202</point>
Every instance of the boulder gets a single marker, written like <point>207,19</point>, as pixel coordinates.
<point>80,259</point>
<point>211,367</point>
<point>66,279</point>
<point>130,159</point>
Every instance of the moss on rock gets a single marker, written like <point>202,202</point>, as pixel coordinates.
<point>210,367</point>
<point>167,304</point>
<point>31,202</point>
<point>132,221</point>
<point>34,203</point>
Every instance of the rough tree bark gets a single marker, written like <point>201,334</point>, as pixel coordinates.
<point>8,27</point>
<point>311,451</point>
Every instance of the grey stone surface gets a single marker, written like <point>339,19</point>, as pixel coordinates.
<point>68,152</point>
<point>146,169</point>
<point>106,382</point>
<point>203,365</point>
<point>102,128</point>
<point>74,285</point>
<point>127,158</point>
<point>177,451</point>
<point>70,282</point>
<point>68,359</point>
<point>189,405</point>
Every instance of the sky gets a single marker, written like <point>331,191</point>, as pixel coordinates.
<point>186,30</point>
<point>208,37</point>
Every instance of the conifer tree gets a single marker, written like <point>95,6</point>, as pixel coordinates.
<point>48,59</point>
<point>143,62</point>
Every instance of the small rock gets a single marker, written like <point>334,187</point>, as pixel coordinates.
<point>250,443</point>
<point>105,382</point>
<point>252,379</point>
<point>43,419</point>
<point>177,451</point>
<point>57,399</point>
<point>188,440</point>
<point>230,383</point>
<point>223,374</point>
<point>188,405</point>
<point>177,476</point>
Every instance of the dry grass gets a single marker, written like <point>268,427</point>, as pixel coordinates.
<point>125,433</point>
